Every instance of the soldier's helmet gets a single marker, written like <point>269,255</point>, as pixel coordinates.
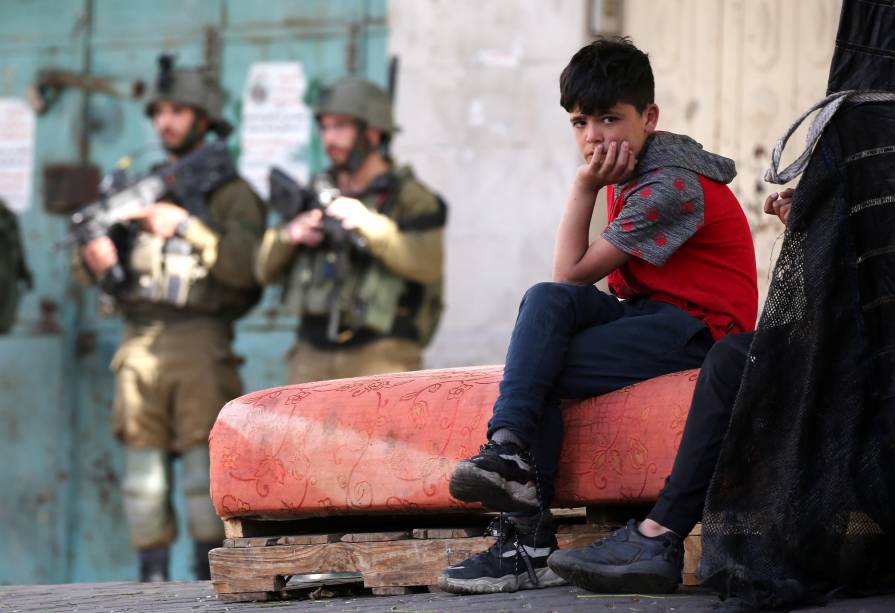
<point>358,98</point>
<point>195,87</point>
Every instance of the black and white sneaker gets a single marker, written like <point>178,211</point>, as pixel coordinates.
<point>515,562</point>
<point>500,477</point>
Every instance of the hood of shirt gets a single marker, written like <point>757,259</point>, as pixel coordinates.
<point>864,56</point>
<point>666,149</point>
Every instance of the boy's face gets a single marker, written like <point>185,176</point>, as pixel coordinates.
<point>622,122</point>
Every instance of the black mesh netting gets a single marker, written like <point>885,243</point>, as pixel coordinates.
<point>803,500</point>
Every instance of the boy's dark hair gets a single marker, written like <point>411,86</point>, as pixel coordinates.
<point>607,71</point>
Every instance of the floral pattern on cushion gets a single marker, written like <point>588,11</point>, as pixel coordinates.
<point>388,443</point>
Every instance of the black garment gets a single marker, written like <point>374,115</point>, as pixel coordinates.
<point>801,501</point>
<point>864,56</point>
<point>681,500</point>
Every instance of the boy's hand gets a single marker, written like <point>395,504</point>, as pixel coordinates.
<point>608,165</point>
<point>779,204</point>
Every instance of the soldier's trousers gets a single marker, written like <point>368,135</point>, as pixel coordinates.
<point>171,381</point>
<point>308,363</point>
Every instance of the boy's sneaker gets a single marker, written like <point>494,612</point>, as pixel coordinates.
<point>625,562</point>
<point>517,561</point>
<point>500,477</point>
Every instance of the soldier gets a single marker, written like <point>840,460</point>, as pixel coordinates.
<point>188,275</point>
<point>372,310</point>
<point>14,274</point>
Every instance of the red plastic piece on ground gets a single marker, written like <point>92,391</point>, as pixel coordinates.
<point>389,443</point>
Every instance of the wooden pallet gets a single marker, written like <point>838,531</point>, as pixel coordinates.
<point>259,557</point>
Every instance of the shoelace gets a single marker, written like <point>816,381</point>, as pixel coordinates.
<point>502,530</point>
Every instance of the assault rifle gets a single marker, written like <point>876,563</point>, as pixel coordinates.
<point>188,181</point>
<point>290,199</point>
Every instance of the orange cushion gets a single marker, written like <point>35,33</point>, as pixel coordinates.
<point>389,443</point>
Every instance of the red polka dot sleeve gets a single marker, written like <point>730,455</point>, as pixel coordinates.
<point>658,215</point>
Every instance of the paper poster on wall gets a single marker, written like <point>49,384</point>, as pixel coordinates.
<point>275,124</point>
<point>16,153</point>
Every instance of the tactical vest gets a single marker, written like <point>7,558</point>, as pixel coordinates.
<point>170,273</point>
<point>14,275</point>
<point>370,300</point>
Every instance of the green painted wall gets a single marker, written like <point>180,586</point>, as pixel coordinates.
<point>61,517</point>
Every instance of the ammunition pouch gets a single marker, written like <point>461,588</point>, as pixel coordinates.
<point>371,298</point>
<point>377,298</point>
<point>366,296</point>
<point>170,272</point>
<point>165,271</point>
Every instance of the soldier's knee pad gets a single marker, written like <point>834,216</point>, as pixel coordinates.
<point>204,524</point>
<point>146,488</point>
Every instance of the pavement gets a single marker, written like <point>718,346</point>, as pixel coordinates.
<point>199,597</point>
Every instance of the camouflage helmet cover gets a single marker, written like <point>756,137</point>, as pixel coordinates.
<point>193,87</point>
<point>358,98</point>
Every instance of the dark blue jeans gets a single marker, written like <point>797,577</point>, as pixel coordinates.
<point>574,341</point>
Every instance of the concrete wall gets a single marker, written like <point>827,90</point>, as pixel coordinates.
<point>734,74</point>
<point>479,103</point>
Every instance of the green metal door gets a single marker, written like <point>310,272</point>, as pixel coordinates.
<point>61,517</point>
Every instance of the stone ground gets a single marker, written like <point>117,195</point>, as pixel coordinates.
<point>199,597</point>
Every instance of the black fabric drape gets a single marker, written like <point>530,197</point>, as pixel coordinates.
<point>864,56</point>
<point>802,502</point>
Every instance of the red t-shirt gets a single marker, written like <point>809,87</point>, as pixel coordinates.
<point>694,252</point>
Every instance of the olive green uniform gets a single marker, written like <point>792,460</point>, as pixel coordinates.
<point>389,301</point>
<point>175,368</point>
<point>15,277</point>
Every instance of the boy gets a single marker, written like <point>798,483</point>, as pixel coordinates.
<point>677,250</point>
<point>647,557</point>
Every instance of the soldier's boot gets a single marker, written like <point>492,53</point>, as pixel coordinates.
<point>201,566</point>
<point>153,564</point>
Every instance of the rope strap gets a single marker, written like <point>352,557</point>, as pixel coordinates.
<point>828,107</point>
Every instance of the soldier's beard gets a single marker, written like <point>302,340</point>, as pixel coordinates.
<point>357,154</point>
<point>193,137</point>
